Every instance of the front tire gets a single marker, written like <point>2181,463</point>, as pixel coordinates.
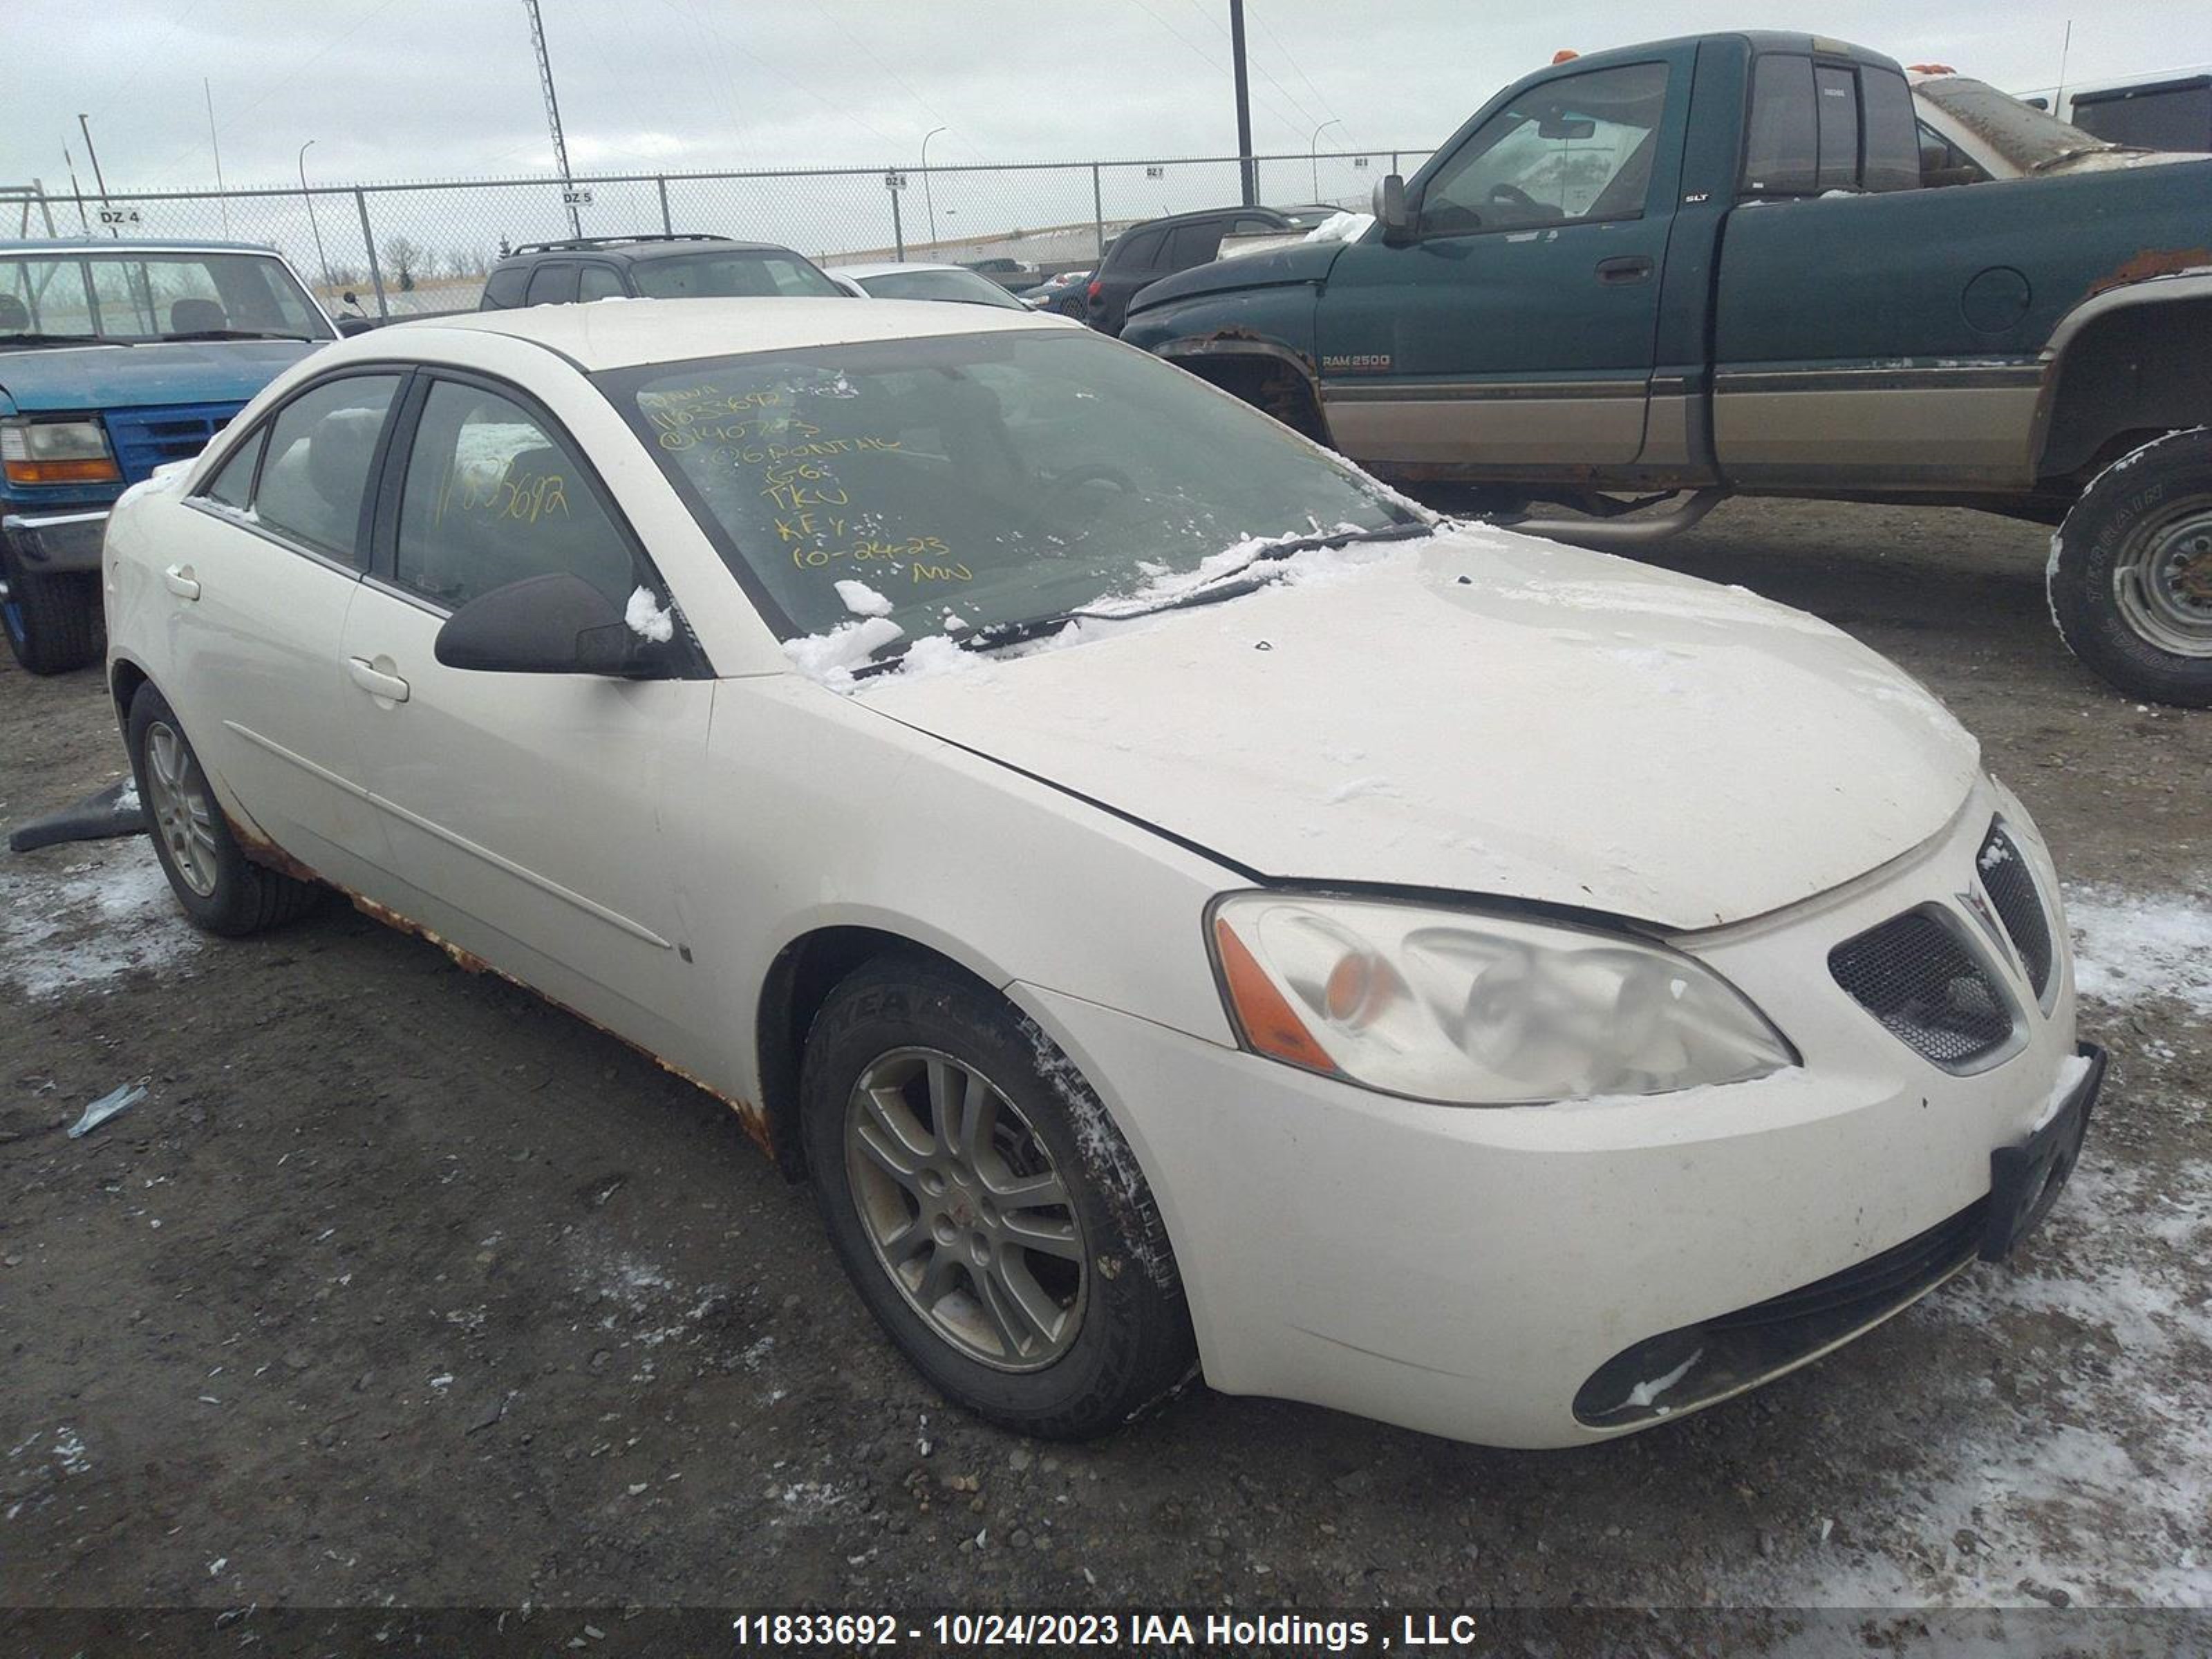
<point>221,889</point>
<point>2130,571</point>
<point>51,621</point>
<point>986,1208</point>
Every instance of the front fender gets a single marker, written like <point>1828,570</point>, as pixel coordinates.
<point>1278,321</point>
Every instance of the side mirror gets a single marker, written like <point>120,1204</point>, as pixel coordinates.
<point>1391,212</point>
<point>350,326</point>
<point>557,623</point>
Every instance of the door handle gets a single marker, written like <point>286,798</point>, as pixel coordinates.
<point>1624,268</point>
<point>179,580</point>
<point>374,681</point>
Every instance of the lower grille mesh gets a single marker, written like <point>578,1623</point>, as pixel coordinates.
<point>1916,976</point>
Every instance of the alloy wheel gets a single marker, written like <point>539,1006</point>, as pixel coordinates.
<point>183,811</point>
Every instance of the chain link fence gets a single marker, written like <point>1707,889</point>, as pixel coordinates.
<point>405,249</point>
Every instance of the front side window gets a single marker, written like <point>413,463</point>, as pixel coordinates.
<point>321,447</point>
<point>154,297</point>
<point>1139,250</point>
<point>492,496</point>
<point>738,275</point>
<point>1579,148</point>
<point>1195,244</point>
<point>993,478</point>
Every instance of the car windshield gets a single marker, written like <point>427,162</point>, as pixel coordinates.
<point>133,297</point>
<point>996,478</point>
<point>963,286</point>
<point>730,274</point>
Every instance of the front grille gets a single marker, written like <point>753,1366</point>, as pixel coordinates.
<point>1701,1362</point>
<point>147,438</point>
<point>2011,887</point>
<point>1916,975</point>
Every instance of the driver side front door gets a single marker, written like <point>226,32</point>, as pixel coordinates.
<point>1515,332</point>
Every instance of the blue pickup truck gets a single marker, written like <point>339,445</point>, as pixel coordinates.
<point>115,358</point>
<point>1713,266</point>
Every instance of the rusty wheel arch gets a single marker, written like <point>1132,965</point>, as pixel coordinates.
<point>1271,378</point>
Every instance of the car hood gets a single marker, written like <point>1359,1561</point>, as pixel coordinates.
<point>125,377</point>
<point>1484,714</point>
<point>1303,262</point>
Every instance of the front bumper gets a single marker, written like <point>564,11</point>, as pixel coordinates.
<point>1469,1272</point>
<point>48,544</point>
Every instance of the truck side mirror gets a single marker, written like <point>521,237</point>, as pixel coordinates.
<point>1390,210</point>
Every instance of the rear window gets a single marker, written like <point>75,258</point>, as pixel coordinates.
<point>504,289</point>
<point>730,275</point>
<point>1830,127</point>
<point>1139,250</point>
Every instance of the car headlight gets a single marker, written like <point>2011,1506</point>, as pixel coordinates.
<point>56,452</point>
<point>1469,1009</point>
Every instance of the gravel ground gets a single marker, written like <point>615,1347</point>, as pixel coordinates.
<point>401,1287</point>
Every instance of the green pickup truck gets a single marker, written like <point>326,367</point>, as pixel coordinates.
<point>1709,266</point>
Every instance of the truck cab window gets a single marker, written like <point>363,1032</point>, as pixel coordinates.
<point>1579,148</point>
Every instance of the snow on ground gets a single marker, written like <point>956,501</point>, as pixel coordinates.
<point>2131,949</point>
<point>86,914</point>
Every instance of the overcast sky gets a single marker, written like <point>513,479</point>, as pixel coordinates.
<point>446,89</point>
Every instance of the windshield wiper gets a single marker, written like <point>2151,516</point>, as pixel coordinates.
<point>1244,579</point>
<point>234,334</point>
<point>35,339</point>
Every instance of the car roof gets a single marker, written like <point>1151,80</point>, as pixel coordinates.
<point>131,244</point>
<point>892,267</point>
<point>618,333</point>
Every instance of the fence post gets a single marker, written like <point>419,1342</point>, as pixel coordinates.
<point>661,180</point>
<point>369,241</point>
<point>898,227</point>
<point>1394,160</point>
<point>1099,211</point>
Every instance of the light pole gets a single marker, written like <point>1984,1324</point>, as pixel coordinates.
<point>307,196</point>
<point>929,200</point>
<point>1313,154</point>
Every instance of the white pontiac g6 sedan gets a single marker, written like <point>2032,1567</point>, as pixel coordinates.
<point>1182,905</point>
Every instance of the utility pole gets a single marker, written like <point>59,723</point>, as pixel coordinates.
<point>85,127</point>
<point>77,190</point>
<point>927,196</point>
<point>1248,171</point>
<point>308,196</point>
<point>215,144</point>
<point>553,117</point>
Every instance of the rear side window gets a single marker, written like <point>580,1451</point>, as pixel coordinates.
<point>493,497</point>
<point>1781,146</point>
<point>1195,244</point>
<point>321,446</point>
<point>598,282</point>
<point>233,486</point>
<point>1139,250</point>
<point>550,285</point>
<point>504,289</point>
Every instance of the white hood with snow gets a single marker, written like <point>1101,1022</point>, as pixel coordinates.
<point>1486,714</point>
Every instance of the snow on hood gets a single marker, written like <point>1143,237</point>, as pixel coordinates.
<point>1478,712</point>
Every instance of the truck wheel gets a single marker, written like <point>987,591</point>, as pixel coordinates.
<point>2130,571</point>
<point>219,888</point>
<point>985,1207</point>
<point>52,622</point>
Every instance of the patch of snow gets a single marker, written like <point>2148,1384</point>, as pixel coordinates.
<point>2071,1071</point>
<point>2131,949</point>
<point>1361,788</point>
<point>1647,1393</point>
<point>646,619</point>
<point>831,658</point>
<point>1345,227</point>
<point>863,600</point>
<point>107,913</point>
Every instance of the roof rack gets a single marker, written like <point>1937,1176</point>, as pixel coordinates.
<point>575,243</point>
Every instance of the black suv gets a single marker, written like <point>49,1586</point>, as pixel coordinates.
<point>678,267</point>
<point>1160,247</point>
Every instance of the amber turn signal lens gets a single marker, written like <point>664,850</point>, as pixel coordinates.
<point>1270,1023</point>
<point>97,470</point>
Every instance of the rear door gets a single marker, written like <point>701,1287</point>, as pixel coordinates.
<point>1136,260</point>
<point>267,568</point>
<point>523,811</point>
<point>1515,333</point>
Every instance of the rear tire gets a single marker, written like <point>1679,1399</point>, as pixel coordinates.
<point>2130,571</point>
<point>51,621</point>
<point>221,889</point>
<point>1021,1266</point>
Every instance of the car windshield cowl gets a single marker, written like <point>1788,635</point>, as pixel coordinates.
<point>233,334</point>
<point>39,339</point>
